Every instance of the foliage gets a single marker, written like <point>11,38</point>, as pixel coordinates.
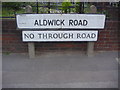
<point>12,5</point>
<point>87,8</point>
<point>7,53</point>
<point>66,6</point>
<point>12,8</point>
<point>77,7</point>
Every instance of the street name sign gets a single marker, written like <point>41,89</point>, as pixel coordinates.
<point>60,21</point>
<point>46,36</point>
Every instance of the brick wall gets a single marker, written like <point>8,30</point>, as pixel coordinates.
<point>12,41</point>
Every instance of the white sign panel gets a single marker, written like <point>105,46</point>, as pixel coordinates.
<point>45,36</point>
<point>80,21</point>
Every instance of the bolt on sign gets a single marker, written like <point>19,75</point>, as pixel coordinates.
<point>43,36</point>
<point>60,21</point>
<point>73,21</point>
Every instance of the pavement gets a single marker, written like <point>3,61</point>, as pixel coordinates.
<point>60,70</point>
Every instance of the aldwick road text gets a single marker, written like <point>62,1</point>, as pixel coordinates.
<point>60,21</point>
<point>59,35</point>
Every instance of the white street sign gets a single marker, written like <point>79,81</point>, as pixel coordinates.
<point>47,36</point>
<point>72,21</point>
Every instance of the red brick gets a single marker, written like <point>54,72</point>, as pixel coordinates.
<point>12,41</point>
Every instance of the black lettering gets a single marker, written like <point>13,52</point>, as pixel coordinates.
<point>57,22</point>
<point>71,22</point>
<point>71,35</point>
<point>60,36</point>
<point>31,35</point>
<point>88,36</point>
<point>44,22</point>
<point>93,35</point>
<point>80,22</point>
<point>78,35</point>
<point>55,35</point>
<point>39,34</point>
<point>83,35</point>
<point>36,23</point>
<point>50,22</point>
<point>85,22</point>
<point>62,22</point>
<point>40,23</point>
<point>26,36</point>
<point>65,35</point>
<point>44,36</point>
<point>50,36</point>
<point>75,22</point>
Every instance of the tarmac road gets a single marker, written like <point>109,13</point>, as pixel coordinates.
<point>60,70</point>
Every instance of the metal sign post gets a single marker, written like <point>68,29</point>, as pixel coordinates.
<point>31,46</point>
<point>85,25</point>
<point>90,45</point>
